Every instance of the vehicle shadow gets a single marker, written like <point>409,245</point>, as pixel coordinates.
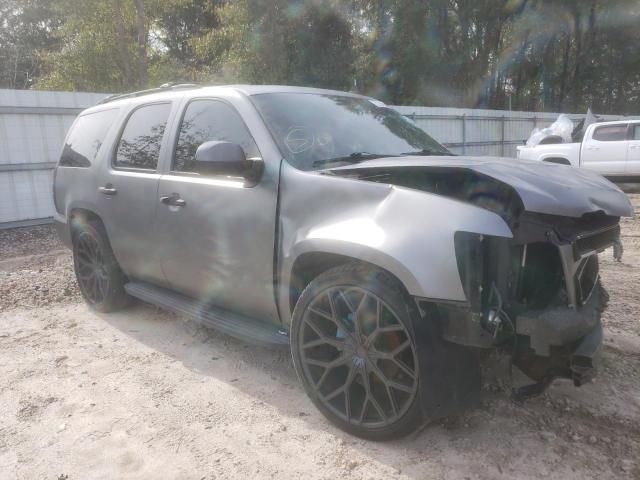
<point>488,442</point>
<point>267,374</point>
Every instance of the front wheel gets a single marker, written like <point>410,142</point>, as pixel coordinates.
<point>355,353</point>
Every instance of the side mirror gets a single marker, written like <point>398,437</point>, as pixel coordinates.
<point>226,158</point>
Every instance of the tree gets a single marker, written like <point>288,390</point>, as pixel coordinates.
<point>521,54</point>
<point>283,42</point>
<point>178,27</point>
<point>98,48</point>
<point>27,31</point>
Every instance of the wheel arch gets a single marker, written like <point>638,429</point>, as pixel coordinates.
<point>80,215</point>
<point>310,264</point>
<point>558,160</point>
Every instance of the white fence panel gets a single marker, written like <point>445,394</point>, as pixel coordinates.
<point>33,125</point>
<point>481,132</point>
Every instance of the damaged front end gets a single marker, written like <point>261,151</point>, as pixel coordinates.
<point>537,295</point>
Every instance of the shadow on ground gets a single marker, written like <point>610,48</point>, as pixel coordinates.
<point>560,433</point>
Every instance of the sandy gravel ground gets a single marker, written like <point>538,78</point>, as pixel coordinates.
<point>145,394</point>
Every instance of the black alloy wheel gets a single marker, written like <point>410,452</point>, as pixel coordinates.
<point>93,277</point>
<point>355,354</point>
<point>98,274</point>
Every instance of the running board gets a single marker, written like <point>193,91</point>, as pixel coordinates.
<point>229,323</point>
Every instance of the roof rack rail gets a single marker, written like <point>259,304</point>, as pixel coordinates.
<point>162,88</point>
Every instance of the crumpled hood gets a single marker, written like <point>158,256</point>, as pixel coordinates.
<point>543,187</point>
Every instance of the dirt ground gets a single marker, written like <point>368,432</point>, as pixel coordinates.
<point>145,394</point>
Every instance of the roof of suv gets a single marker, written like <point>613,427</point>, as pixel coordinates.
<point>180,90</point>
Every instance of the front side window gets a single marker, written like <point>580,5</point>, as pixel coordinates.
<point>611,133</point>
<point>86,137</point>
<point>140,143</point>
<point>636,132</point>
<point>315,131</point>
<point>210,120</point>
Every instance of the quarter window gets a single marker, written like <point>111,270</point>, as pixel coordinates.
<point>210,120</point>
<point>86,137</point>
<point>612,133</point>
<point>140,143</point>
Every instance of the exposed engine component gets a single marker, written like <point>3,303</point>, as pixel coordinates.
<point>492,322</point>
<point>536,295</point>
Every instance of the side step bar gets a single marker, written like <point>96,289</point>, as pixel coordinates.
<point>229,323</point>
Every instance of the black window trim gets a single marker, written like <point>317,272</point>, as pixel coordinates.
<point>73,125</point>
<point>171,170</point>
<point>124,124</point>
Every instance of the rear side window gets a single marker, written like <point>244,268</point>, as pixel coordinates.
<point>86,137</point>
<point>141,139</point>
<point>611,133</point>
<point>636,132</point>
<point>208,120</point>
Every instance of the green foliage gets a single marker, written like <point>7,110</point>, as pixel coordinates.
<point>523,54</point>
<point>27,31</point>
<point>98,48</point>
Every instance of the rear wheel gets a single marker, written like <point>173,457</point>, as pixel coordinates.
<point>98,274</point>
<point>354,351</point>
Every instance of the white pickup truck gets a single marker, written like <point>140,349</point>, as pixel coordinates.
<point>610,148</point>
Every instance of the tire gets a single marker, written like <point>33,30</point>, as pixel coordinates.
<point>356,321</point>
<point>99,277</point>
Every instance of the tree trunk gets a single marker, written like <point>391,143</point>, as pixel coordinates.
<point>565,72</point>
<point>577,81</point>
<point>123,58</point>
<point>548,82</point>
<point>142,34</point>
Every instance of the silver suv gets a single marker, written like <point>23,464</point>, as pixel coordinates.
<point>329,222</point>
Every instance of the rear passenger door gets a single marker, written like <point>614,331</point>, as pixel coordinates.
<point>606,151</point>
<point>128,191</point>
<point>633,152</point>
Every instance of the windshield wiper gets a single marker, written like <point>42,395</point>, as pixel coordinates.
<point>428,151</point>
<point>354,157</point>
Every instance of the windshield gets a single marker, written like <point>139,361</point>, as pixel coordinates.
<point>318,131</point>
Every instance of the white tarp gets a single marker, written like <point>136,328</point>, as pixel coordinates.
<point>562,127</point>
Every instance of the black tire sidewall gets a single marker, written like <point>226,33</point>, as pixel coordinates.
<point>116,297</point>
<point>382,285</point>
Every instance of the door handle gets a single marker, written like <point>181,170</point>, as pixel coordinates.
<point>108,190</point>
<point>593,148</point>
<point>173,200</point>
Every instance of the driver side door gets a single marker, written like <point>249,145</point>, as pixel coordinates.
<point>216,233</point>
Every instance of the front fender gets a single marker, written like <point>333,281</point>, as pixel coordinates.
<point>352,248</point>
<point>407,232</point>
